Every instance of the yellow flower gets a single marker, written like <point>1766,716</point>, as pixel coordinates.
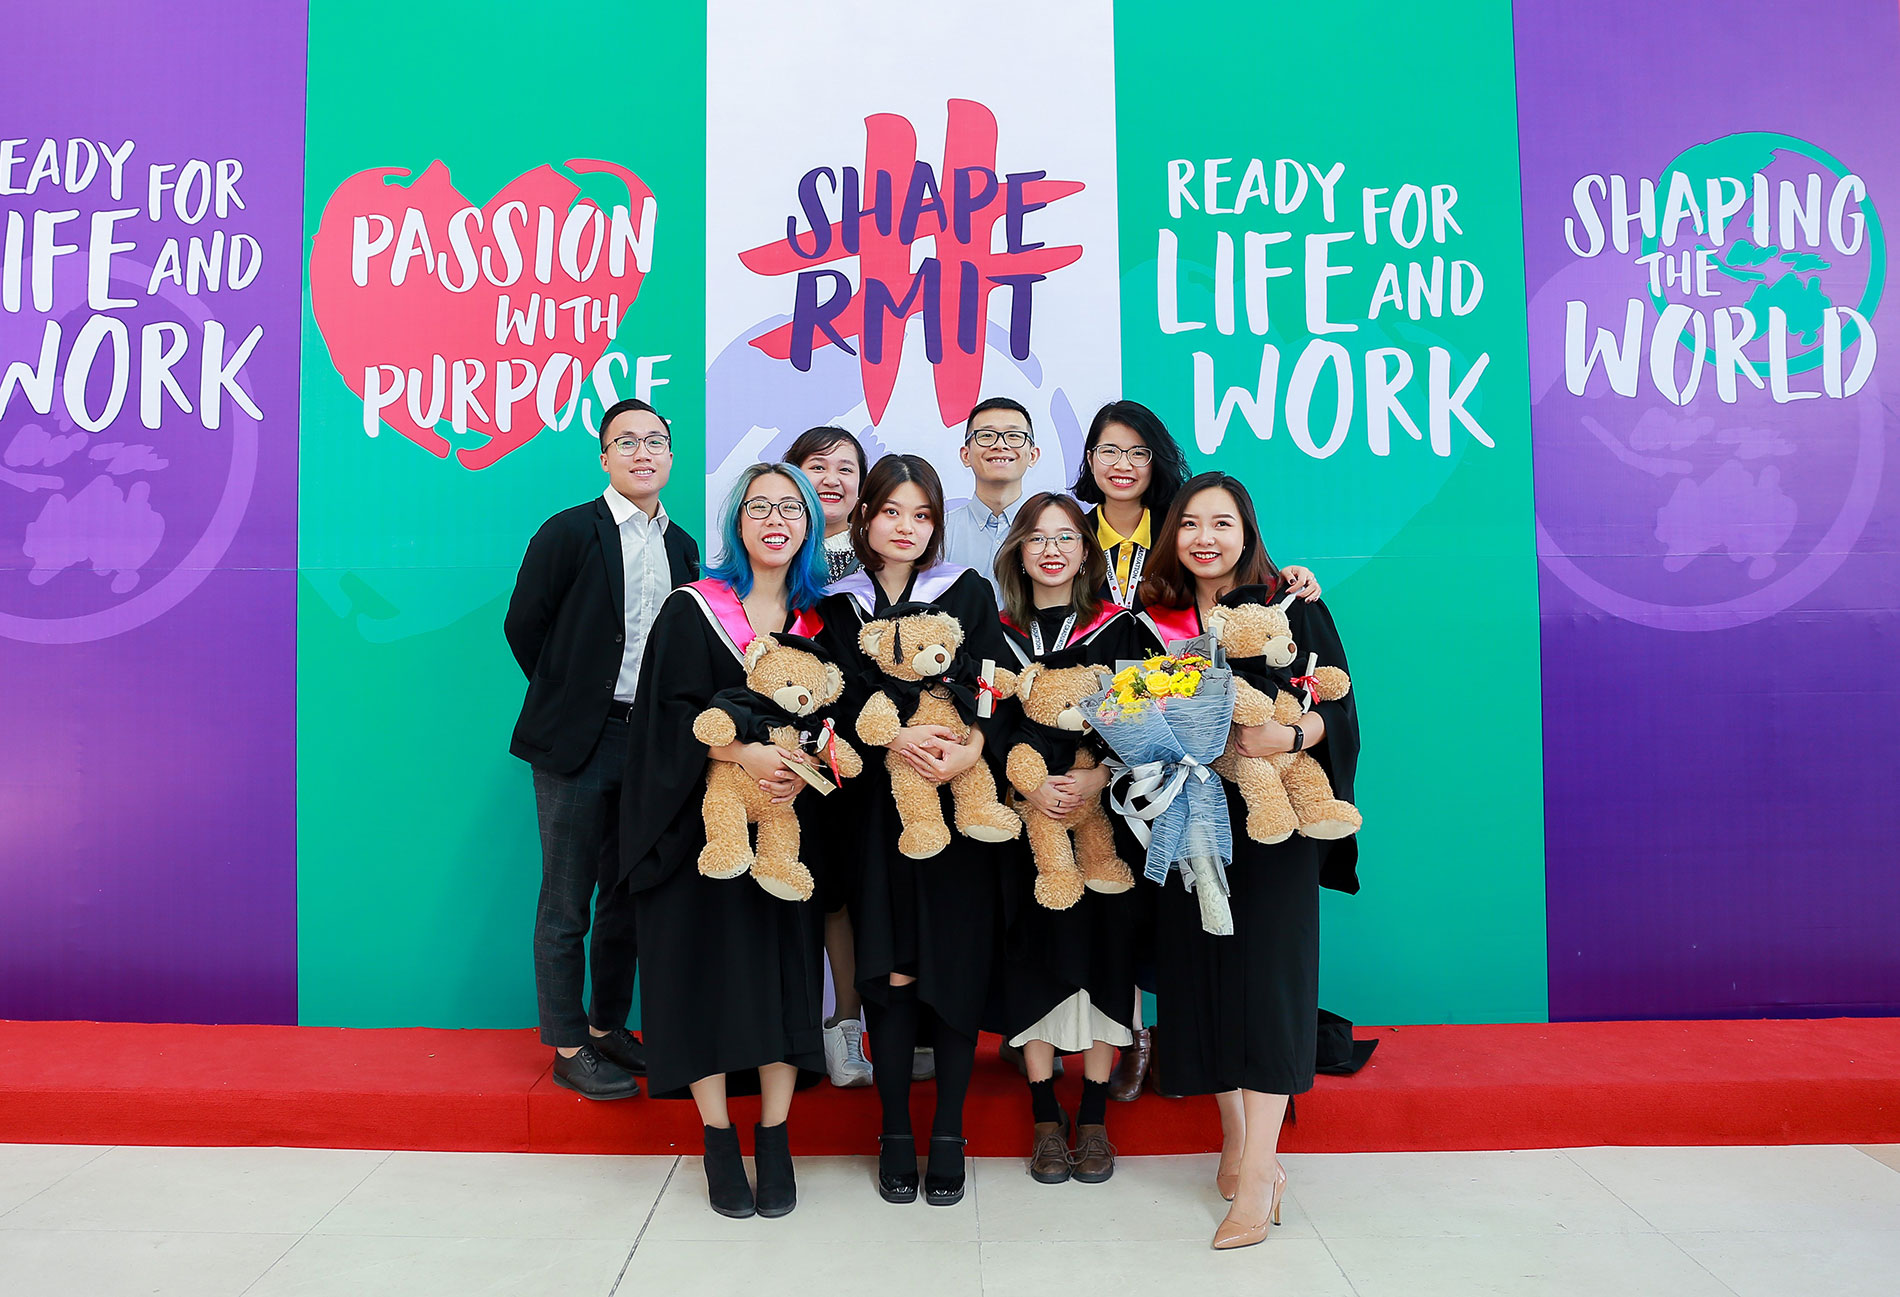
<point>1187,684</point>
<point>1126,697</point>
<point>1158,683</point>
<point>1126,676</point>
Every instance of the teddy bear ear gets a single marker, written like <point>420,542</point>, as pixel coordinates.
<point>1026,679</point>
<point>834,680</point>
<point>871,637</point>
<point>758,648</point>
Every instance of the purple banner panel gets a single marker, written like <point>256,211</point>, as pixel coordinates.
<point>150,258</point>
<point>1704,188</point>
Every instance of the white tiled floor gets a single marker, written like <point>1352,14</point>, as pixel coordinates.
<point>1727,1222</point>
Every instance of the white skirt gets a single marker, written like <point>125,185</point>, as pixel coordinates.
<point>1074,1025</point>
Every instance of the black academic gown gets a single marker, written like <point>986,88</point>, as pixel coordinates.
<point>1242,1012</point>
<point>1096,944</point>
<point>731,978</point>
<point>937,919</point>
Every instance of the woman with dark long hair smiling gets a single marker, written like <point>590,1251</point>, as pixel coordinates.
<point>1243,1009</point>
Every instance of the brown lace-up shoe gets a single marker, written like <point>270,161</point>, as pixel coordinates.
<point>1094,1157</point>
<point>1049,1156</point>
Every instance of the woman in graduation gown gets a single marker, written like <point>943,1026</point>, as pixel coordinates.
<point>1065,977</point>
<point>1243,1010</point>
<point>925,929</point>
<point>730,977</point>
<point>1131,470</point>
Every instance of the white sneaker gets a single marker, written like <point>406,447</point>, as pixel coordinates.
<point>923,1064</point>
<point>844,1055</point>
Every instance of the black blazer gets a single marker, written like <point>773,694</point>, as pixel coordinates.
<point>567,627</point>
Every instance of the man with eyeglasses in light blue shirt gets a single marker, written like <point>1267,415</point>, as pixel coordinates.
<point>999,448</point>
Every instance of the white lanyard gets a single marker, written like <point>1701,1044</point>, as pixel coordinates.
<point>1062,636</point>
<point>1125,597</point>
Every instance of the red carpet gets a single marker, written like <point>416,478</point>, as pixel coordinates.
<point>1471,1087</point>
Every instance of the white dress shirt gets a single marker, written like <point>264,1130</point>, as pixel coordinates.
<point>648,580</point>
<point>974,534</point>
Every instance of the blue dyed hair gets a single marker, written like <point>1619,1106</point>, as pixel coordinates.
<point>807,574</point>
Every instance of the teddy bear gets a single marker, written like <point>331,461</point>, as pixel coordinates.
<point>1289,791</point>
<point>929,681</point>
<point>1051,701</point>
<point>787,682</point>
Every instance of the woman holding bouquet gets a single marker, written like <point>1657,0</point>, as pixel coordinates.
<point>755,1026</point>
<point>1066,975</point>
<point>1243,1009</point>
<point>925,928</point>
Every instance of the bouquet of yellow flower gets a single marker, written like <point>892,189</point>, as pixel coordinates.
<point>1165,675</point>
<point>1166,719</point>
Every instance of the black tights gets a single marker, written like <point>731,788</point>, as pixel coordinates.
<point>897,1026</point>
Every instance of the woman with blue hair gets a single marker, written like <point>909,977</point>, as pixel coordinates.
<point>731,991</point>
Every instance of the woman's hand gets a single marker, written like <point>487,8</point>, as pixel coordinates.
<point>1062,795</point>
<point>1301,581</point>
<point>918,743</point>
<point>956,758</point>
<point>1048,799</point>
<point>1272,738</point>
<point>766,763</point>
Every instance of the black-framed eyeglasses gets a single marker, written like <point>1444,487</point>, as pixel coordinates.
<point>758,508</point>
<point>1137,456</point>
<point>1014,438</point>
<point>1064,542</point>
<point>656,442</point>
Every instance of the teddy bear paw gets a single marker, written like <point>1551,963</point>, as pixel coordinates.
<point>993,823</point>
<point>1058,891</point>
<point>1336,819</point>
<point>719,861</point>
<point>1110,877</point>
<point>1269,829</point>
<point>922,841</point>
<point>789,881</point>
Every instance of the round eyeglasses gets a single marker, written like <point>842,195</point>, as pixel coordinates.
<point>758,508</point>
<point>1063,541</point>
<point>628,446</point>
<point>1137,456</point>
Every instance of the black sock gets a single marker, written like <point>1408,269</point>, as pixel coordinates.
<point>893,1040</point>
<point>956,1062</point>
<point>1042,1101</point>
<point>1094,1109</point>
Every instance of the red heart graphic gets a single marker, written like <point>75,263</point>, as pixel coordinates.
<point>421,320</point>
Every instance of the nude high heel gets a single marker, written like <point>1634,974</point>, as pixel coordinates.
<point>1232,1235</point>
<point>1228,1184</point>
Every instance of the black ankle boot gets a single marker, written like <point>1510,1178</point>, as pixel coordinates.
<point>897,1168</point>
<point>943,1174</point>
<point>725,1174</point>
<point>772,1159</point>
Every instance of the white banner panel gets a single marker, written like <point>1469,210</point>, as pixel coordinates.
<point>902,223</point>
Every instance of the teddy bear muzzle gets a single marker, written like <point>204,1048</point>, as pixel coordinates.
<point>934,660</point>
<point>796,699</point>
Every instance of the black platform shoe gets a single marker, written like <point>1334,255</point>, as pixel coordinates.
<point>726,1185</point>
<point>772,1160</point>
<point>897,1168</point>
<point>944,1173</point>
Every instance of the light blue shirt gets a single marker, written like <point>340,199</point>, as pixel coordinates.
<point>974,534</point>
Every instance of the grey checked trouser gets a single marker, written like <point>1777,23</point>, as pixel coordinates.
<point>580,846</point>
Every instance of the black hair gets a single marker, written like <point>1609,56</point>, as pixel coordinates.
<point>1167,465</point>
<point>823,440</point>
<point>999,403</point>
<point>629,406</point>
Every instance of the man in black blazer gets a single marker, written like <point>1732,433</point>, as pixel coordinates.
<point>592,581</point>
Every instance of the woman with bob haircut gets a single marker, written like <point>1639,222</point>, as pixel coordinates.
<point>753,1027</point>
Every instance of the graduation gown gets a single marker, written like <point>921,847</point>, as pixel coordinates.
<point>1096,944</point>
<point>1112,591</point>
<point>1242,1012</point>
<point>936,919</point>
<point>731,978</point>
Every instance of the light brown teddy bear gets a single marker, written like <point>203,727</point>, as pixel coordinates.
<point>1288,791</point>
<point>920,658</point>
<point>787,683</point>
<point>1051,701</point>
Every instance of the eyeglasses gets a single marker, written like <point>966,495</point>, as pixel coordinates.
<point>1064,541</point>
<point>1014,438</point>
<point>655,442</point>
<point>1137,456</point>
<point>758,508</point>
